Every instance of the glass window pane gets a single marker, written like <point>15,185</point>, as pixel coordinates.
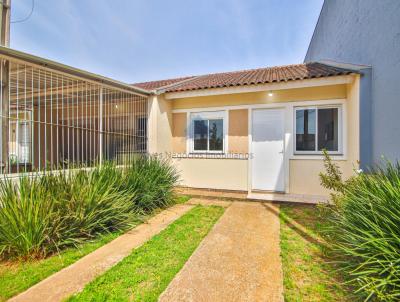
<point>200,135</point>
<point>216,135</point>
<point>328,129</point>
<point>24,142</point>
<point>305,130</point>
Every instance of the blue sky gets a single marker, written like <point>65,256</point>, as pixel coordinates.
<point>140,40</point>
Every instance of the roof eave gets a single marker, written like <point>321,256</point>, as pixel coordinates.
<point>292,84</point>
<point>19,55</point>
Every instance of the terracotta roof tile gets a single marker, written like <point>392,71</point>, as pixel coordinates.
<point>248,77</point>
<point>161,83</point>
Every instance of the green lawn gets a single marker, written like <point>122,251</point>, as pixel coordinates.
<point>309,273</point>
<point>182,198</point>
<point>15,277</point>
<point>143,275</point>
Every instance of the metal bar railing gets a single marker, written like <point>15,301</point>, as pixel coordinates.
<point>52,121</point>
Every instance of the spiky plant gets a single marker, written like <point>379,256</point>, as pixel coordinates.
<point>41,215</point>
<point>27,218</point>
<point>151,180</point>
<point>98,203</point>
<point>365,232</point>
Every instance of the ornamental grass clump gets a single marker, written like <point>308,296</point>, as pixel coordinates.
<point>95,202</point>
<point>152,180</point>
<point>43,214</point>
<point>27,219</point>
<point>365,230</point>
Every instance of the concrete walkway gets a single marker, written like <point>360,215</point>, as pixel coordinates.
<point>209,202</point>
<point>253,196</point>
<point>239,260</point>
<point>74,277</point>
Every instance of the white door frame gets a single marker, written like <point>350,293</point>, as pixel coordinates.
<point>286,139</point>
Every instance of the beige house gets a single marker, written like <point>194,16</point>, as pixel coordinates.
<point>260,131</point>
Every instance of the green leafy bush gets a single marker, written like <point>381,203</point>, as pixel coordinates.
<point>41,215</point>
<point>365,232</point>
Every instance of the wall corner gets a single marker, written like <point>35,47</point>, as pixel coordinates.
<point>159,125</point>
<point>366,118</point>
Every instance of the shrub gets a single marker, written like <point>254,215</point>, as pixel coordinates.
<point>152,180</point>
<point>41,215</point>
<point>44,214</point>
<point>365,231</point>
<point>27,219</point>
<point>96,203</point>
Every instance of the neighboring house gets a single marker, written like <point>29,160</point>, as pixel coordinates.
<point>366,32</point>
<point>260,130</point>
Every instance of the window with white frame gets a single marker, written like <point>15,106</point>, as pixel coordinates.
<point>318,128</point>
<point>208,132</point>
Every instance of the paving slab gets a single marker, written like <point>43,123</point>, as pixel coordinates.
<point>239,260</point>
<point>209,202</point>
<point>74,277</point>
<point>214,193</point>
<point>253,196</point>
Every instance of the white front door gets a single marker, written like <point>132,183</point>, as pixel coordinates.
<point>267,149</point>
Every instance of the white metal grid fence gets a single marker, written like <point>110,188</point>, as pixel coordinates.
<point>52,120</point>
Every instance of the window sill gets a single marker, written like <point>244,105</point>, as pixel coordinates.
<point>196,155</point>
<point>317,156</point>
<point>206,153</point>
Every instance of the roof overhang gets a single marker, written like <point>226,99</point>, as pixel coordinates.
<point>71,71</point>
<point>315,82</point>
<point>358,68</point>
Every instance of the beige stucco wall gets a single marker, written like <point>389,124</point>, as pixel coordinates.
<point>304,176</point>
<point>159,125</point>
<point>232,174</point>
<point>179,132</point>
<point>304,173</point>
<point>228,174</point>
<point>286,95</point>
<point>238,131</point>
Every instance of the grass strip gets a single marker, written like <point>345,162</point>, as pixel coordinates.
<point>15,277</point>
<point>309,273</point>
<point>182,199</point>
<point>144,275</point>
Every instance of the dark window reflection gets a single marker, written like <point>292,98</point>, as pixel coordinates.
<point>208,135</point>
<point>305,130</point>
<point>216,135</point>
<point>328,129</point>
<point>200,135</point>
